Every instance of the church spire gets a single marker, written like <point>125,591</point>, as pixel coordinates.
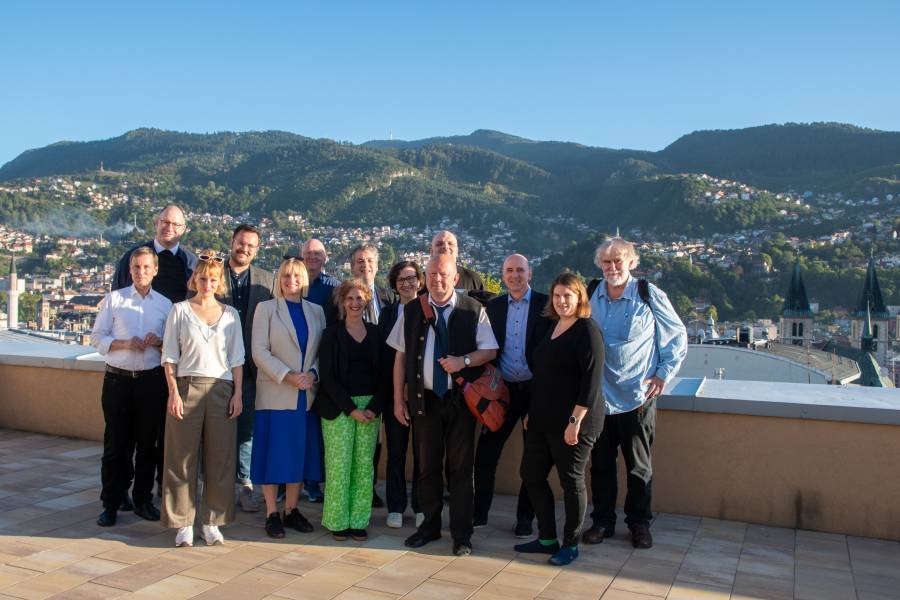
<point>867,343</point>
<point>871,302</point>
<point>796,303</point>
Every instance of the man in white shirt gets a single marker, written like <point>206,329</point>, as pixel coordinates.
<point>128,332</point>
<point>431,354</point>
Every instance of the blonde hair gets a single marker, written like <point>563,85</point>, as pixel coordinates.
<point>208,268</point>
<point>293,265</point>
<point>574,283</point>
<point>342,291</point>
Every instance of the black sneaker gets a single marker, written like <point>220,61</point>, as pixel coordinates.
<point>341,535</point>
<point>297,521</point>
<point>126,505</point>
<point>523,530</point>
<point>107,518</point>
<point>274,527</point>
<point>359,535</point>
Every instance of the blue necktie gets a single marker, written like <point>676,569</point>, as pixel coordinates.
<point>441,347</point>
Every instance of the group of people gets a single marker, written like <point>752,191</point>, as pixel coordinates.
<point>218,371</point>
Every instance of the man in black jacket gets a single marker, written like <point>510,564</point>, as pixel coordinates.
<point>455,341</point>
<point>518,325</point>
<point>246,286</point>
<point>445,242</point>
<point>176,264</point>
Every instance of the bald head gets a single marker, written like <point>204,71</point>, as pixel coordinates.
<point>170,226</point>
<point>441,277</point>
<point>444,242</point>
<point>314,257</point>
<point>516,275</point>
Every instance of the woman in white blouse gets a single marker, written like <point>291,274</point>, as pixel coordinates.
<point>203,354</point>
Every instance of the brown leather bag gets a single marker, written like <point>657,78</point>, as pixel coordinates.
<point>487,397</point>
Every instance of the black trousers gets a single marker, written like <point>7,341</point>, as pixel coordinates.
<point>632,432</point>
<point>543,451</point>
<point>487,456</point>
<point>133,408</point>
<point>446,428</point>
<point>397,442</point>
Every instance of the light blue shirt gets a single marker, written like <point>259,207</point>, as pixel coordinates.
<point>513,365</point>
<point>639,343</point>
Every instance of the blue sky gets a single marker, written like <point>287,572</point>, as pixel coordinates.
<point>617,74</point>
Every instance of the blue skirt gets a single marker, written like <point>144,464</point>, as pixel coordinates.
<point>286,445</point>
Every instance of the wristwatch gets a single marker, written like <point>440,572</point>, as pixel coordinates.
<point>466,360</point>
<point>573,420</point>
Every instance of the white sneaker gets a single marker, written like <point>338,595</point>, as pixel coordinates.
<point>395,520</point>
<point>184,537</point>
<point>246,500</point>
<point>420,518</point>
<point>212,535</point>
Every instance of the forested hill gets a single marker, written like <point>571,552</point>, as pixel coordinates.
<point>487,176</point>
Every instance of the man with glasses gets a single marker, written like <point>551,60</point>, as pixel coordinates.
<point>246,285</point>
<point>175,267</point>
<point>176,264</point>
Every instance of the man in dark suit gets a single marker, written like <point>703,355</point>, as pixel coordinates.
<point>175,267</point>
<point>176,264</point>
<point>246,286</point>
<point>364,265</point>
<point>518,324</point>
<point>445,242</point>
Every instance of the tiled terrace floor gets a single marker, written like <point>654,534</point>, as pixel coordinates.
<point>50,547</point>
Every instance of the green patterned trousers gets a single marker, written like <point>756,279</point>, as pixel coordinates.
<point>349,450</point>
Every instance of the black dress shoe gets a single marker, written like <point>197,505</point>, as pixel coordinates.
<point>360,535</point>
<point>341,535</point>
<point>523,530</point>
<point>377,502</point>
<point>597,533</point>
<point>297,521</point>
<point>274,527</point>
<point>126,504</point>
<point>420,538</point>
<point>640,536</point>
<point>147,511</point>
<point>107,518</point>
<point>463,548</point>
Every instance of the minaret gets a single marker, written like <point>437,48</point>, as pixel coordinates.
<point>871,308</point>
<point>796,316</point>
<point>12,304</point>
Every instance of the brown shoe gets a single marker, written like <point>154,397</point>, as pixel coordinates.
<point>640,536</point>
<point>596,533</point>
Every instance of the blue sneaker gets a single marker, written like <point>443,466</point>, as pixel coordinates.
<point>536,547</point>
<point>564,556</point>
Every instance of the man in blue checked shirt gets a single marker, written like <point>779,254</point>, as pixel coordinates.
<point>645,343</point>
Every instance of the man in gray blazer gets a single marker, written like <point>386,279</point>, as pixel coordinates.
<point>245,287</point>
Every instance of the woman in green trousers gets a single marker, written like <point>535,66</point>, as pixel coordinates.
<point>349,401</point>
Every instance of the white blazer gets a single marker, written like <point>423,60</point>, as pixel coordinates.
<point>276,352</point>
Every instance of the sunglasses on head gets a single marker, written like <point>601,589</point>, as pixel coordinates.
<point>216,258</point>
<point>292,257</point>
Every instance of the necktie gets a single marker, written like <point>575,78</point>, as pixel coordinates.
<point>441,347</point>
<point>370,312</point>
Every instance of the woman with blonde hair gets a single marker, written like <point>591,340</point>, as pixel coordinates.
<point>202,354</point>
<point>349,402</point>
<point>564,418</point>
<point>286,433</point>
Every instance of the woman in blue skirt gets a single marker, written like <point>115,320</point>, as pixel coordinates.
<point>286,434</point>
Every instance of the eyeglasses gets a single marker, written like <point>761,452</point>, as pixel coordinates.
<point>410,280</point>
<point>216,258</point>
<point>172,224</point>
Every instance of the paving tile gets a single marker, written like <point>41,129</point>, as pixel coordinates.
<point>646,576</point>
<point>12,575</point>
<point>176,587</point>
<point>364,594</point>
<point>228,566</point>
<point>471,570</point>
<point>698,591</point>
<point>324,582</point>
<point>402,575</point>
<point>90,591</point>
<point>296,563</point>
<point>615,594</point>
<point>371,557</point>
<point>441,590</point>
<point>575,585</point>
<point>142,574</point>
<point>818,583</point>
<point>256,583</point>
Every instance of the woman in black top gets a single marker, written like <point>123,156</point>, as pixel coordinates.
<point>349,401</point>
<point>564,418</point>
<point>406,278</point>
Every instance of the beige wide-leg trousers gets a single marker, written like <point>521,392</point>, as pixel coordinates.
<point>205,421</point>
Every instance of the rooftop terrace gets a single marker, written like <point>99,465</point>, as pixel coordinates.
<point>50,547</point>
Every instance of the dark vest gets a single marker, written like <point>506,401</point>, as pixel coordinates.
<point>171,281</point>
<point>462,327</point>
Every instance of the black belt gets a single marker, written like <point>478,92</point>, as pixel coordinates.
<point>132,374</point>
